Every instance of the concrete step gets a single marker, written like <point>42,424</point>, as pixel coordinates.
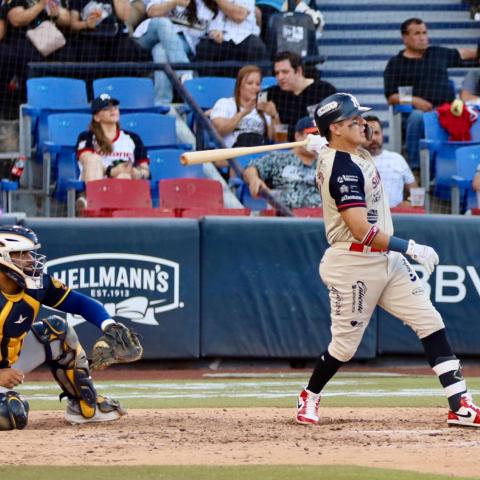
<point>416,9</point>
<point>373,16</point>
<point>469,34</point>
<point>340,47</point>
<point>381,3</point>
<point>353,65</point>
<point>347,83</point>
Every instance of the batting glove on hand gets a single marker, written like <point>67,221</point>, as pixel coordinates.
<point>423,255</point>
<point>315,143</point>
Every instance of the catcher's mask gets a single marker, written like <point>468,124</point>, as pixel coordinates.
<point>335,108</point>
<point>18,257</point>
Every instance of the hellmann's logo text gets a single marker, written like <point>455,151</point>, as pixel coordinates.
<point>135,287</point>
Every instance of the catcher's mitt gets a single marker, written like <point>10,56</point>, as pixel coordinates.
<point>118,344</point>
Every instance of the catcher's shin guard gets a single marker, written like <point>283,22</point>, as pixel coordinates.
<point>70,369</point>
<point>13,411</point>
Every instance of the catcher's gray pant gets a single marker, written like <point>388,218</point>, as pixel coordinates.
<point>33,355</point>
<point>358,281</point>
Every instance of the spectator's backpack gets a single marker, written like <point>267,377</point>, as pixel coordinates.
<point>291,31</point>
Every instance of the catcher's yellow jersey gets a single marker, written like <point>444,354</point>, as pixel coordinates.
<point>19,311</point>
<point>345,181</point>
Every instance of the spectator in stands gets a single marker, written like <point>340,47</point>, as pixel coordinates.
<point>171,33</point>
<point>239,119</point>
<point>17,50</point>
<point>101,33</point>
<point>295,96</point>
<point>471,88</point>
<point>424,68</point>
<point>232,35</point>
<point>104,150</point>
<point>288,176</point>
<point>392,167</point>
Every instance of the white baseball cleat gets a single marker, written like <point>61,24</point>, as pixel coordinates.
<point>468,415</point>
<point>107,410</point>
<point>307,408</point>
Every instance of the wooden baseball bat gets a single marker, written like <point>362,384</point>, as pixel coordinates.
<point>204,156</point>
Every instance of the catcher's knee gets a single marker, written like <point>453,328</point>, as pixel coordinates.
<point>13,411</point>
<point>70,368</point>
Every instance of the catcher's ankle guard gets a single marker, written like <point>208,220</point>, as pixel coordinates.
<point>71,370</point>
<point>13,411</point>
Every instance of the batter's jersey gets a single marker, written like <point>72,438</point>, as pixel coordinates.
<point>19,311</point>
<point>345,181</point>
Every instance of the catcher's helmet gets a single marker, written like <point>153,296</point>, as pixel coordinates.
<point>26,268</point>
<point>335,108</point>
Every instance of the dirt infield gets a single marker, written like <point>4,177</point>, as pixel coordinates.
<point>403,438</point>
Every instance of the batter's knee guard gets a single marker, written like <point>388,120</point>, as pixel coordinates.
<point>13,411</point>
<point>70,369</point>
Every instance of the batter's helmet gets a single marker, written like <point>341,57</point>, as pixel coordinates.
<point>335,108</point>
<point>26,266</point>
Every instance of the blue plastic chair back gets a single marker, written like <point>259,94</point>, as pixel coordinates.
<point>207,90</point>
<point>165,163</point>
<point>154,129</point>
<point>131,92</point>
<point>63,131</point>
<point>268,82</point>
<point>445,167</point>
<point>433,129</point>
<point>54,93</point>
<point>467,160</point>
<point>64,128</point>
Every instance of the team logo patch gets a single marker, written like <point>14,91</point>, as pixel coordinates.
<point>134,287</point>
<point>329,107</point>
<point>344,189</point>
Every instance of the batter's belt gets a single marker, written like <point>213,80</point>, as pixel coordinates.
<point>357,247</point>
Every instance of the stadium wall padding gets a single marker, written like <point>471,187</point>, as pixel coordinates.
<point>146,273</point>
<point>247,287</point>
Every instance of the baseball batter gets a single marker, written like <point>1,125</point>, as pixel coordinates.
<point>365,264</point>
<point>26,343</point>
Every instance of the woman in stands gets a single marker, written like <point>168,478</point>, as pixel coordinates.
<point>104,150</point>
<point>171,32</point>
<point>241,120</point>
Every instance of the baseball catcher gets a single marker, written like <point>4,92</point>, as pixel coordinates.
<point>27,342</point>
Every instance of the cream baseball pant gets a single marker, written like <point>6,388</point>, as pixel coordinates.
<point>358,282</point>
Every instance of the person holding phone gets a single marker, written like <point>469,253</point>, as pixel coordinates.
<point>245,119</point>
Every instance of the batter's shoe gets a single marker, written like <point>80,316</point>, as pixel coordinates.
<point>468,415</point>
<point>307,408</point>
<point>107,410</point>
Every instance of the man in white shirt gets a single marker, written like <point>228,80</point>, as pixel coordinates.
<point>392,167</point>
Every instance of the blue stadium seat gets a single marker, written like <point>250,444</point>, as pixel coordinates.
<point>134,94</point>
<point>268,82</point>
<point>165,163</point>
<point>207,90</point>
<point>63,131</point>
<point>462,195</point>
<point>438,157</point>
<point>44,96</point>
<point>155,130</point>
